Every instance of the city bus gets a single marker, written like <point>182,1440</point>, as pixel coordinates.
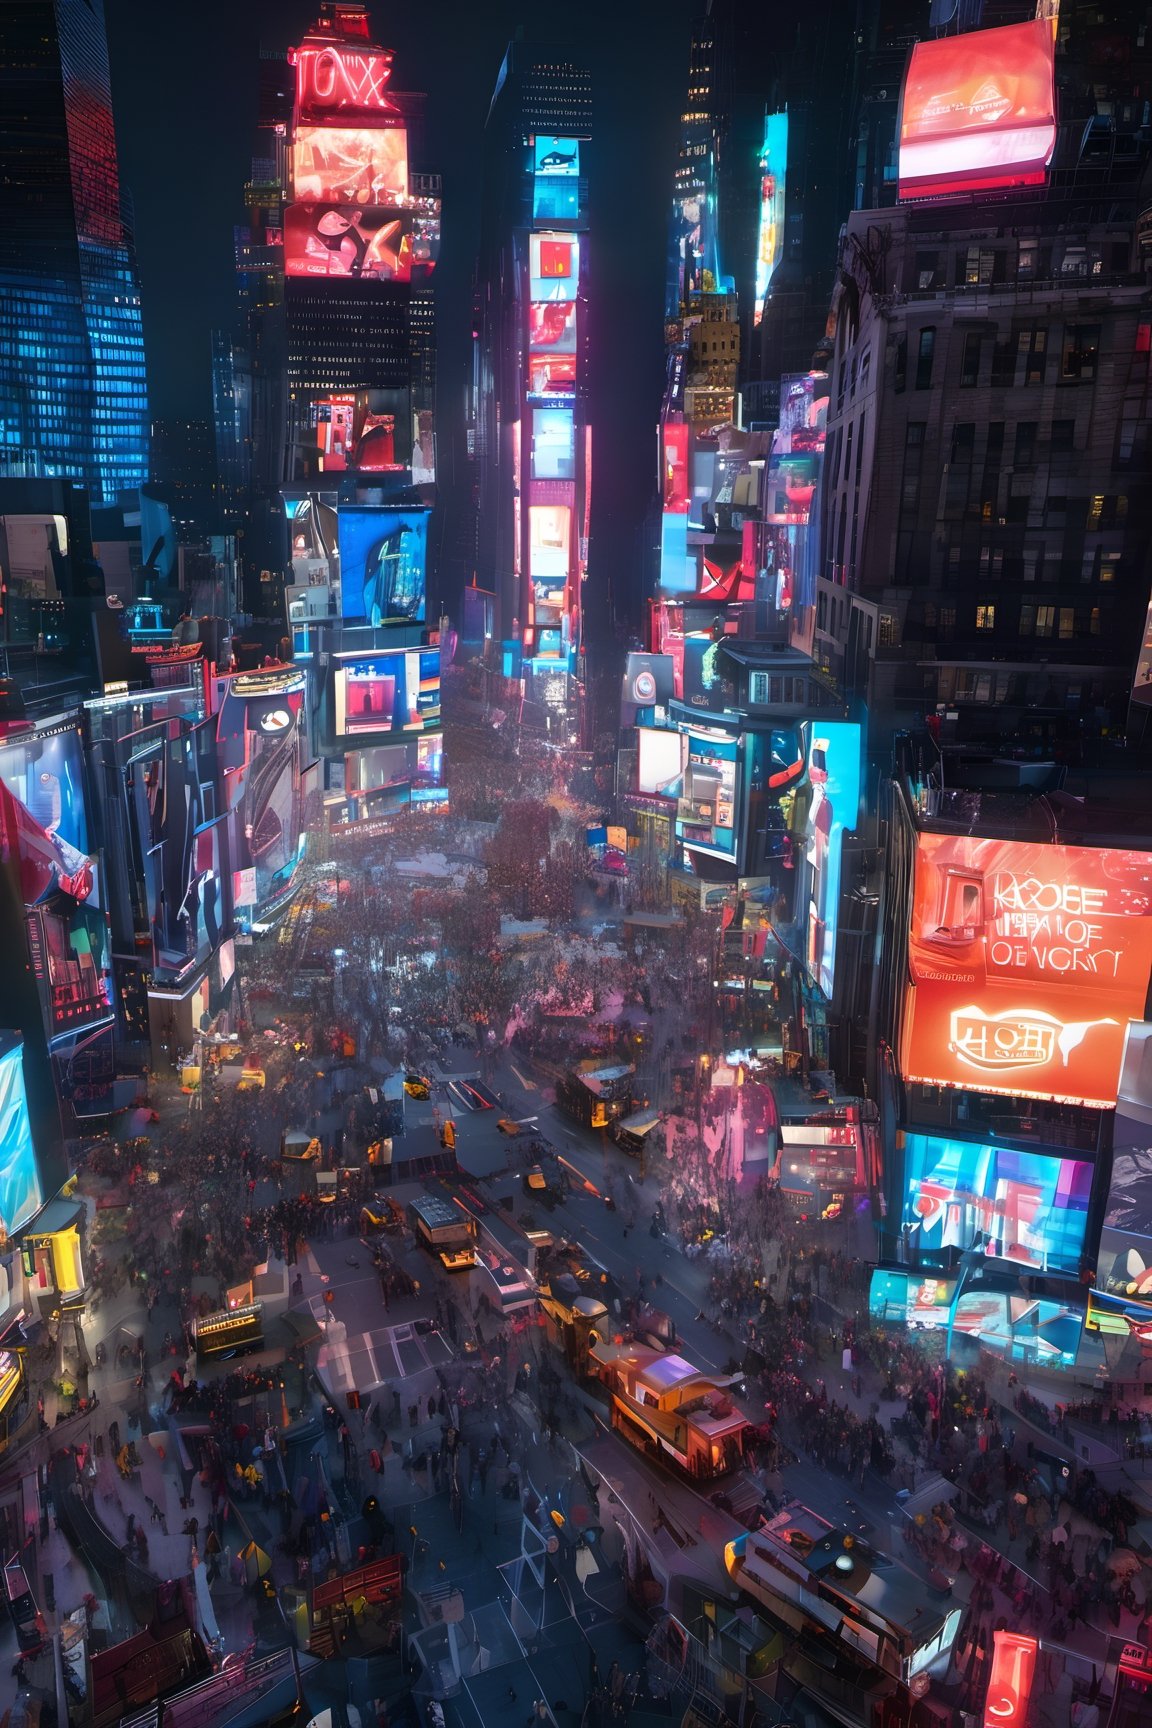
<point>446,1230</point>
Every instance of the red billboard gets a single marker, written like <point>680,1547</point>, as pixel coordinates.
<point>978,111</point>
<point>350,164</point>
<point>345,240</point>
<point>676,484</point>
<point>335,82</point>
<point>1027,961</point>
<point>1010,1683</point>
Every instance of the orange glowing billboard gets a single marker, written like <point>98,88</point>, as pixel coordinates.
<point>1027,962</point>
<point>978,111</point>
<point>350,164</point>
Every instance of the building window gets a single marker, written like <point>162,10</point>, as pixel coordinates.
<point>1081,349</point>
<point>1045,620</point>
<point>1031,348</point>
<point>970,365</point>
<point>1067,623</point>
<point>979,266</point>
<point>1027,620</point>
<point>924,352</point>
<point>1033,563</point>
<point>1094,621</point>
<point>913,464</point>
<point>900,365</point>
<point>1025,455</point>
<point>1063,437</point>
<point>985,617</point>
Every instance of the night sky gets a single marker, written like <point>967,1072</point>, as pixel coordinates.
<point>184,84</point>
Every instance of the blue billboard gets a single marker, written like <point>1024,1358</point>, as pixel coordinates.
<point>1027,1207</point>
<point>770,238</point>
<point>20,1193</point>
<point>383,563</point>
<point>834,775</point>
<point>556,179</point>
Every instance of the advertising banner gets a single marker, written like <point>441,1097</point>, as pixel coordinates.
<point>259,720</point>
<point>1027,962</point>
<point>706,807</point>
<point>20,1192</point>
<point>383,563</point>
<point>676,476</point>
<point>770,236</point>
<point>337,82</point>
<point>1122,1302</point>
<point>1027,1207</point>
<point>365,165</point>
<point>556,182</point>
<point>660,761</point>
<point>554,267</point>
<point>392,690</point>
<point>342,240</point>
<point>553,444</point>
<point>978,111</point>
<point>1013,1654</point>
<point>834,775</point>
<point>549,536</point>
<point>552,328</point>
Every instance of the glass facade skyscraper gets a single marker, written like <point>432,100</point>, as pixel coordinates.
<point>73,397</point>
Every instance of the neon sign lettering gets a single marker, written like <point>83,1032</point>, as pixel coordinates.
<point>1015,1039</point>
<point>1010,1685</point>
<point>329,79</point>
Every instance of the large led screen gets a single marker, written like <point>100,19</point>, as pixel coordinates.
<point>554,267</point>
<point>674,439</point>
<point>677,569</point>
<point>259,740</point>
<point>1123,1302</point>
<point>43,821</point>
<point>978,111</point>
<point>1027,962</point>
<point>1028,1207</point>
<point>770,234</point>
<point>834,776</point>
<point>556,158</point>
<point>350,165</point>
<point>341,240</point>
<point>169,789</point>
<point>797,449</point>
<point>549,535</point>
<point>551,376</point>
<point>393,690</point>
<point>1020,1328</point>
<point>706,807</point>
<point>553,444</point>
<point>20,1193</point>
<point>383,560</point>
<point>552,327</point>
<point>556,180</point>
<point>660,761</point>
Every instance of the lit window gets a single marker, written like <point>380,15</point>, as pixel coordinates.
<point>985,617</point>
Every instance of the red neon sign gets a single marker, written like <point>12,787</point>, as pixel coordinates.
<point>343,81</point>
<point>1013,1665</point>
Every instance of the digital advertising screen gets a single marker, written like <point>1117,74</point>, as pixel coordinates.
<point>390,690</point>
<point>770,231</point>
<point>797,449</point>
<point>364,165</point>
<point>978,111</point>
<point>834,776</point>
<point>549,601</point>
<point>551,376</point>
<point>552,328</point>
<point>648,679</point>
<point>343,240</point>
<point>1020,1328</point>
<point>1122,1302</point>
<point>556,180</point>
<point>553,267</point>
<point>709,682</point>
<point>677,480</point>
<point>706,807</point>
<point>549,539</point>
<point>169,787</point>
<point>21,1196</point>
<point>661,758</point>
<point>1027,1207</point>
<point>338,82</point>
<point>1027,963</point>
<point>43,819</point>
<point>553,444</point>
<point>370,769</point>
<point>259,719</point>
<point>677,569</point>
<point>383,563</point>
<point>312,538</point>
<point>898,1296</point>
<point>70,948</point>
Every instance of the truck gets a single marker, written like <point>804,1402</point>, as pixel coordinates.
<point>445,1230</point>
<point>596,1093</point>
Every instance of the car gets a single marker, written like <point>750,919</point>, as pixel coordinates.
<point>417,1086</point>
<point>507,1126</point>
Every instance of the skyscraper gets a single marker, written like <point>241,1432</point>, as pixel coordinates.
<point>73,402</point>
<point>533,440</point>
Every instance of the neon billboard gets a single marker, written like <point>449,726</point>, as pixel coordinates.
<point>350,164</point>
<point>392,690</point>
<point>834,775</point>
<point>1027,962</point>
<point>1013,1665</point>
<point>21,1195</point>
<point>770,236</point>
<point>978,111</point>
<point>337,82</point>
<point>1027,1207</point>
<point>554,267</point>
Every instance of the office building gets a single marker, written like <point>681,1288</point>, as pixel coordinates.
<point>73,401</point>
<point>531,430</point>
